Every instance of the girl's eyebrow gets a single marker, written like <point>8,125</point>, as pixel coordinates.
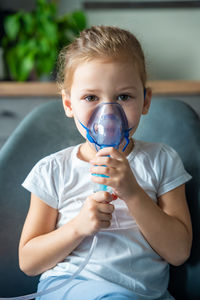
<point>89,91</point>
<point>127,88</point>
<point>98,90</point>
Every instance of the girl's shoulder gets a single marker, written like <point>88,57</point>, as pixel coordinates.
<point>59,158</point>
<point>152,151</point>
<point>48,176</point>
<point>162,162</point>
<point>158,157</point>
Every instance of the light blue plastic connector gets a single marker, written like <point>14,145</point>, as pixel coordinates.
<point>101,187</point>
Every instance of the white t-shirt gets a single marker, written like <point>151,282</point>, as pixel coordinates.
<point>122,254</point>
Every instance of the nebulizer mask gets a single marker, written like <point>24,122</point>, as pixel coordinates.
<point>107,127</point>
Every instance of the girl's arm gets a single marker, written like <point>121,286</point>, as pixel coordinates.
<point>42,246</point>
<point>166,225</point>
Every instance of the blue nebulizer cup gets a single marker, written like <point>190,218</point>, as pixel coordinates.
<point>107,127</point>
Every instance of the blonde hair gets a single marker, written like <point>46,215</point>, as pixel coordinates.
<point>106,42</point>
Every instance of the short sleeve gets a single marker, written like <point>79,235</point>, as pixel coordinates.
<point>170,169</point>
<point>43,181</point>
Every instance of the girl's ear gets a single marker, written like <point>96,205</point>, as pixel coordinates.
<point>67,104</point>
<point>147,101</point>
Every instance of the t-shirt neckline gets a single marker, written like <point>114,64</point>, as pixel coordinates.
<point>83,163</point>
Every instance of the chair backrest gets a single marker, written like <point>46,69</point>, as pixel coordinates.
<point>175,123</point>
<point>44,131</point>
<point>47,130</point>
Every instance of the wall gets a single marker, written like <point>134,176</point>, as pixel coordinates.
<point>170,37</point>
<point>15,5</point>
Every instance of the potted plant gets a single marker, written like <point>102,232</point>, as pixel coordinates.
<point>32,39</point>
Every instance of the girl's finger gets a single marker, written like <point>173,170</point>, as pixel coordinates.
<point>110,151</point>
<point>102,196</point>
<point>105,161</point>
<point>105,224</point>
<point>104,170</point>
<point>108,181</point>
<point>102,180</point>
<point>104,216</point>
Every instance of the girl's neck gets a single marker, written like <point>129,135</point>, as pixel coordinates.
<point>87,152</point>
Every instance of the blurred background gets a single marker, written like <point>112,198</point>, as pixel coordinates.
<point>32,32</point>
<point>170,37</point>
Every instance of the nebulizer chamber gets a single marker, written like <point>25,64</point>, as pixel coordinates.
<point>107,127</point>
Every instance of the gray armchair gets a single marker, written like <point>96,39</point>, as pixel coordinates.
<point>47,130</point>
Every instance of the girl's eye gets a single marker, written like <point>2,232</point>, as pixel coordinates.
<point>90,98</point>
<point>123,97</point>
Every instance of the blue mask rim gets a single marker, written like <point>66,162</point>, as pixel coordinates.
<point>91,139</point>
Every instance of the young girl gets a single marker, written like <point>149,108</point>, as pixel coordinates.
<point>143,225</point>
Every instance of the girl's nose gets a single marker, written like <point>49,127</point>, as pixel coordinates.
<point>108,100</point>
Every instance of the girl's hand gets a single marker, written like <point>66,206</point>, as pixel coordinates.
<point>114,164</point>
<point>96,213</point>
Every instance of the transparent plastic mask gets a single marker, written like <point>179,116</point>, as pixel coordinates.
<point>107,126</point>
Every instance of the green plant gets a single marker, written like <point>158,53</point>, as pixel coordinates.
<point>32,39</point>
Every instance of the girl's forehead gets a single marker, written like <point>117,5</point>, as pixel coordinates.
<point>101,63</point>
<point>102,70</point>
<point>89,66</point>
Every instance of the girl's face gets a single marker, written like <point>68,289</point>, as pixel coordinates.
<point>100,81</point>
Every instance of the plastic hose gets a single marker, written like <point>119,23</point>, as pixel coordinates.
<point>60,285</point>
